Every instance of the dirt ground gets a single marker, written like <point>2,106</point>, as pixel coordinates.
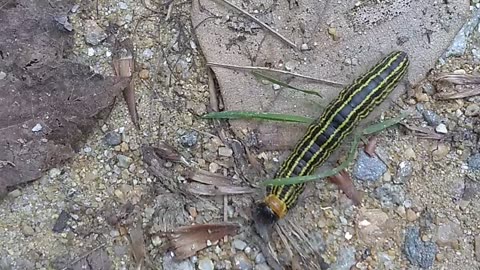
<point>420,208</point>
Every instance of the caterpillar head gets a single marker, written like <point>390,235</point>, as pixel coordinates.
<point>264,218</point>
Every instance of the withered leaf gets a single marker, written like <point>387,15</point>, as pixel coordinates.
<point>138,245</point>
<point>345,184</point>
<point>460,79</point>
<point>167,152</point>
<point>206,177</point>
<point>212,190</point>
<point>188,240</point>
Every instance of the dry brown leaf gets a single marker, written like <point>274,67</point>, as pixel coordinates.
<point>167,152</point>
<point>138,246</point>
<point>345,184</point>
<point>461,79</point>
<point>212,190</point>
<point>423,132</point>
<point>186,241</point>
<point>124,66</point>
<point>458,95</point>
<point>371,146</point>
<point>206,177</point>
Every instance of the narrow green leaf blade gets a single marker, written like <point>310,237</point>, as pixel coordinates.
<point>259,116</point>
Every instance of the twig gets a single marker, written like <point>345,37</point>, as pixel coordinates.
<point>84,256</point>
<point>250,68</point>
<point>275,33</point>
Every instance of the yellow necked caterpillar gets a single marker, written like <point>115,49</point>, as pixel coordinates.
<point>326,133</point>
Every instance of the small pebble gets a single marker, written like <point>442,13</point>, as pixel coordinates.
<point>368,168</point>
<point>37,128</point>
<point>123,161</point>
<point>276,86</point>
<point>432,118</point>
<point>94,33</point>
<point>205,264</point>
<point>27,230</point>
<point>472,110</point>
<point>242,262</point>
<point>213,167</point>
<point>239,244</point>
<point>259,259</point>
<point>304,47</point>
<point>225,152</point>
<point>441,128</point>
<point>113,138</point>
<point>189,139</point>
<point>15,193</point>
<point>440,152</point>
<point>144,74</point>
<point>474,162</point>
<point>404,172</point>
<point>411,215</point>
<point>3,75</point>
<point>410,153</point>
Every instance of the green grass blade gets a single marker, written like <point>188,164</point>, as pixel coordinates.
<point>351,155</point>
<point>275,81</point>
<point>258,116</point>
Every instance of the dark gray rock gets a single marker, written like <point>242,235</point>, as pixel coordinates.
<point>368,168</point>
<point>419,253</point>
<point>474,162</point>
<point>432,118</point>
<point>390,195</point>
<point>113,138</point>
<point>189,139</point>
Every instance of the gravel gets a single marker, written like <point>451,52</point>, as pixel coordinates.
<point>345,259</point>
<point>390,195</point>
<point>170,263</point>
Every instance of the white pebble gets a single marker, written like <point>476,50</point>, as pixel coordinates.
<point>37,128</point>
<point>441,128</point>
<point>91,51</point>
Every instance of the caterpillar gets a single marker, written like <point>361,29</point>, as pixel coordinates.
<point>325,134</point>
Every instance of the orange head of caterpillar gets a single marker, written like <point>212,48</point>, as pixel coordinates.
<point>267,213</point>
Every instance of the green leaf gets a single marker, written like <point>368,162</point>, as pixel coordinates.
<point>275,81</point>
<point>258,115</point>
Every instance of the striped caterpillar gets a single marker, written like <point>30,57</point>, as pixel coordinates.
<point>325,134</point>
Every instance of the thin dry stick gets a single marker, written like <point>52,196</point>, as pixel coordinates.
<point>275,33</point>
<point>84,256</point>
<point>250,68</point>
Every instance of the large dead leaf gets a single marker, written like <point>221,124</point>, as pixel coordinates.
<point>47,103</point>
<point>343,39</point>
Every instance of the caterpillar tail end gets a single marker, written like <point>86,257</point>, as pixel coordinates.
<point>264,219</point>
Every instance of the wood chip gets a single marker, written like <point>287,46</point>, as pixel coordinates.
<point>137,243</point>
